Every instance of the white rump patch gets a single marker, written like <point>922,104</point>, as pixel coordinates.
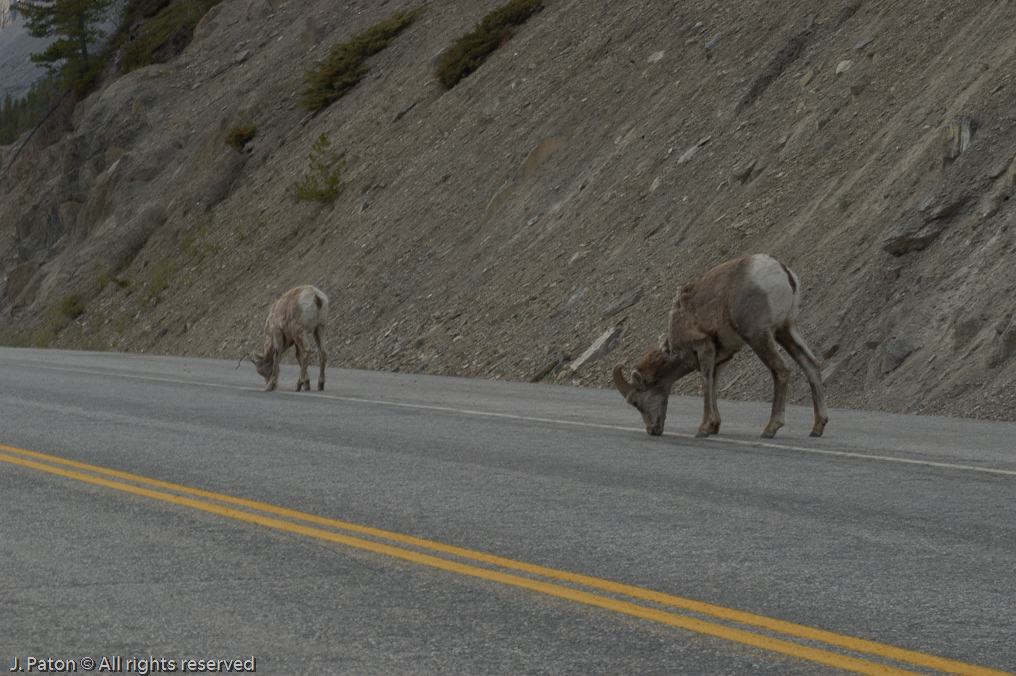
<point>767,274</point>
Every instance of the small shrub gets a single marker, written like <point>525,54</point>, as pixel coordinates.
<point>121,323</point>
<point>321,183</point>
<point>10,337</point>
<point>158,281</point>
<point>240,135</point>
<point>103,277</point>
<point>72,306</point>
<point>163,34</point>
<point>343,68</point>
<point>472,49</point>
<point>199,246</point>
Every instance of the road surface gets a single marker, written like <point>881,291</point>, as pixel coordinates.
<point>169,511</point>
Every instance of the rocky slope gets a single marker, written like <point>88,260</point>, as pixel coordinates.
<point>610,152</point>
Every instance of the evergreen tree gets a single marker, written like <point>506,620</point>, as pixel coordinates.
<point>19,115</point>
<point>75,24</point>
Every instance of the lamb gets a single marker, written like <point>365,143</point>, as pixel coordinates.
<point>298,314</point>
<point>751,300</point>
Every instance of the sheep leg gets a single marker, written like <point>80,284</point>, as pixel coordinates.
<point>709,371</point>
<point>765,347</point>
<point>273,379</point>
<point>303,357</point>
<point>319,338</point>
<point>798,350</point>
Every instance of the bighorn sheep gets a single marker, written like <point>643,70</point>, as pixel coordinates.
<point>298,314</point>
<point>750,300</point>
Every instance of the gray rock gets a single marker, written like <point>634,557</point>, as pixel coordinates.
<point>621,304</point>
<point>830,348</point>
<point>921,226</point>
<point>892,273</point>
<point>965,331</point>
<point>691,152</point>
<point>601,347</point>
<point>894,353</point>
<point>956,138</point>
<point>554,365</point>
<point>908,236</point>
<point>1006,346</point>
<point>742,172</point>
<point>948,208</point>
<point>990,205</point>
<point>1000,169</point>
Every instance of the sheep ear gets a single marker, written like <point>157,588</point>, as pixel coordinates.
<point>638,381</point>
<point>665,344</point>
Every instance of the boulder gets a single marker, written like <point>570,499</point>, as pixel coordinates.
<point>601,347</point>
<point>894,353</point>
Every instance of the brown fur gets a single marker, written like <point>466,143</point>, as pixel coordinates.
<point>285,327</point>
<point>710,321</point>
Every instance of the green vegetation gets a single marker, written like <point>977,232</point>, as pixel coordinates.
<point>103,277</point>
<point>72,306</point>
<point>168,27</point>
<point>199,246</point>
<point>10,337</point>
<point>19,115</point>
<point>472,49</point>
<point>321,183</point>
<point>158,281</point>
<point>77,27</point>
<point>240,135</point>
<point>343,68</point>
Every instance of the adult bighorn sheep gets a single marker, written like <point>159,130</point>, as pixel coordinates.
<point>298,314</point>
<point>750,300</point>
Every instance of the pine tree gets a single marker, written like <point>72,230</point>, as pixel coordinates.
<point>75,24</point>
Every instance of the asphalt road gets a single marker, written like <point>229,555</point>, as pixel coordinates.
<point>157,508</point>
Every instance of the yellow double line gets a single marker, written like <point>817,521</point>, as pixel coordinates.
<point>815,645</point>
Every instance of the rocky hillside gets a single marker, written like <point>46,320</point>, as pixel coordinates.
<point>610,152</point>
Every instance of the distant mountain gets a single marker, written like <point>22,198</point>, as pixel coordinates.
<point>17,72</point>
<point>7,13</point>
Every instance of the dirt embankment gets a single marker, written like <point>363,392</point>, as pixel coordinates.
<point>610,152</point>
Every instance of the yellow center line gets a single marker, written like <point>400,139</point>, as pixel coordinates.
<point>202,500</point>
